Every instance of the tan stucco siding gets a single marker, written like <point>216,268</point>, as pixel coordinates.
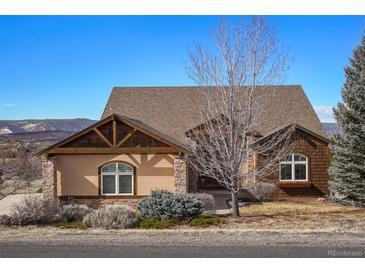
<point>78,175</point>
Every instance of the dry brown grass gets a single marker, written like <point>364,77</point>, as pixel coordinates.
<point>301,216</point>
<point>283,217</point>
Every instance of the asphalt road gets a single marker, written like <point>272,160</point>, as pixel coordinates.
<point>156,251</point>
<point>181,244</point>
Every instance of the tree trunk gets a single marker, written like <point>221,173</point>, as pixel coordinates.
<point>235,208</point>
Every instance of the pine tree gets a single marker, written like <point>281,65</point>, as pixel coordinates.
<point>348,164</point>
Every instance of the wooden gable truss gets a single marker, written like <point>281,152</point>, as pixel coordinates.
<point>113,135</point>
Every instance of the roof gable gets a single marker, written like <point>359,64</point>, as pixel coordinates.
<point>115,134</point>
<point>295,127</point>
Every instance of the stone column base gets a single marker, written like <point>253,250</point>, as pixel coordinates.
<point>49,180</point>
<point>180,174</point>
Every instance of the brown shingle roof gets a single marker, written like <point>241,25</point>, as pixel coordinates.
<point>175,110</point>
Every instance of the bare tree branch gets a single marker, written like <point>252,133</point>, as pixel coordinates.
<point>236,77</point>
<point>22,170</point>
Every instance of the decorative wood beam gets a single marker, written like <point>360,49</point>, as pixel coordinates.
<point>126,137</point>
<point>114,133</point>
<point>113,144</point>
<point>99,150</point>
<point>103,137</point>
<point>149,134</point>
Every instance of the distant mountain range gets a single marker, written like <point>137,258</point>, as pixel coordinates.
<point>57,129</point>
<point>330,128</point>
<point>23,126</point>
<point>41,137</point>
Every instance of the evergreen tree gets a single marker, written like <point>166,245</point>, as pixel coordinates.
<point>348,164</point>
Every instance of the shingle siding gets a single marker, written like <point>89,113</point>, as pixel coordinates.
<point>318,164</point>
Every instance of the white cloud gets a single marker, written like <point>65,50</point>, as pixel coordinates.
<point>325,113</point>
<point>9,105</point>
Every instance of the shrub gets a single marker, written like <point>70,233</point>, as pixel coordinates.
<point>5,220</point>
<point>186,207</point>
<point>40,190</point>
<point>164,205</point>
<point>112,217</point>
<point>32,210</point>
<point>69,225</point>
<point>158,205</point>
<point>70,213</point>
<point>206,199</point>
<point>152,223</point>
<point>205,220</point>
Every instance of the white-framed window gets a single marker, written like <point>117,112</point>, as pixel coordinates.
<point>293,167</point>
<point>117,179</point>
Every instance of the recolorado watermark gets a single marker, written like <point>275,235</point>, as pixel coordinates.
<point>344,253</point>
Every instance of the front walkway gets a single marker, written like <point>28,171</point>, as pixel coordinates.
<point>220,197</point>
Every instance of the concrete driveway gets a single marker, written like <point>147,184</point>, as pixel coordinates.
<point>7,202</point>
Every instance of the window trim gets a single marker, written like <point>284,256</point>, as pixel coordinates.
<point>116,175</point>
<point>292,163</point>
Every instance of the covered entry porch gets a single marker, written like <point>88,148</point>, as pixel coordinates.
<point>220,194</point>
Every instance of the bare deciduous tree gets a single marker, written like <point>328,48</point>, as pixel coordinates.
<point>22,170</point>
<point>235,78</point>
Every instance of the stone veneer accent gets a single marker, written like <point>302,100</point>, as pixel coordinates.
<point>180,174</point>
<point>49,180</point>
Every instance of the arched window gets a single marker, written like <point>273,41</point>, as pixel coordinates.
<point>117,179</point>
<point>293,167</point>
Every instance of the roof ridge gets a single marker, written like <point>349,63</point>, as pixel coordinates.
<point>132,87</point>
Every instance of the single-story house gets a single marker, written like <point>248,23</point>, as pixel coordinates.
<point>139,144</point>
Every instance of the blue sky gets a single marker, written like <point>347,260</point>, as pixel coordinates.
<point>65,67</point>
